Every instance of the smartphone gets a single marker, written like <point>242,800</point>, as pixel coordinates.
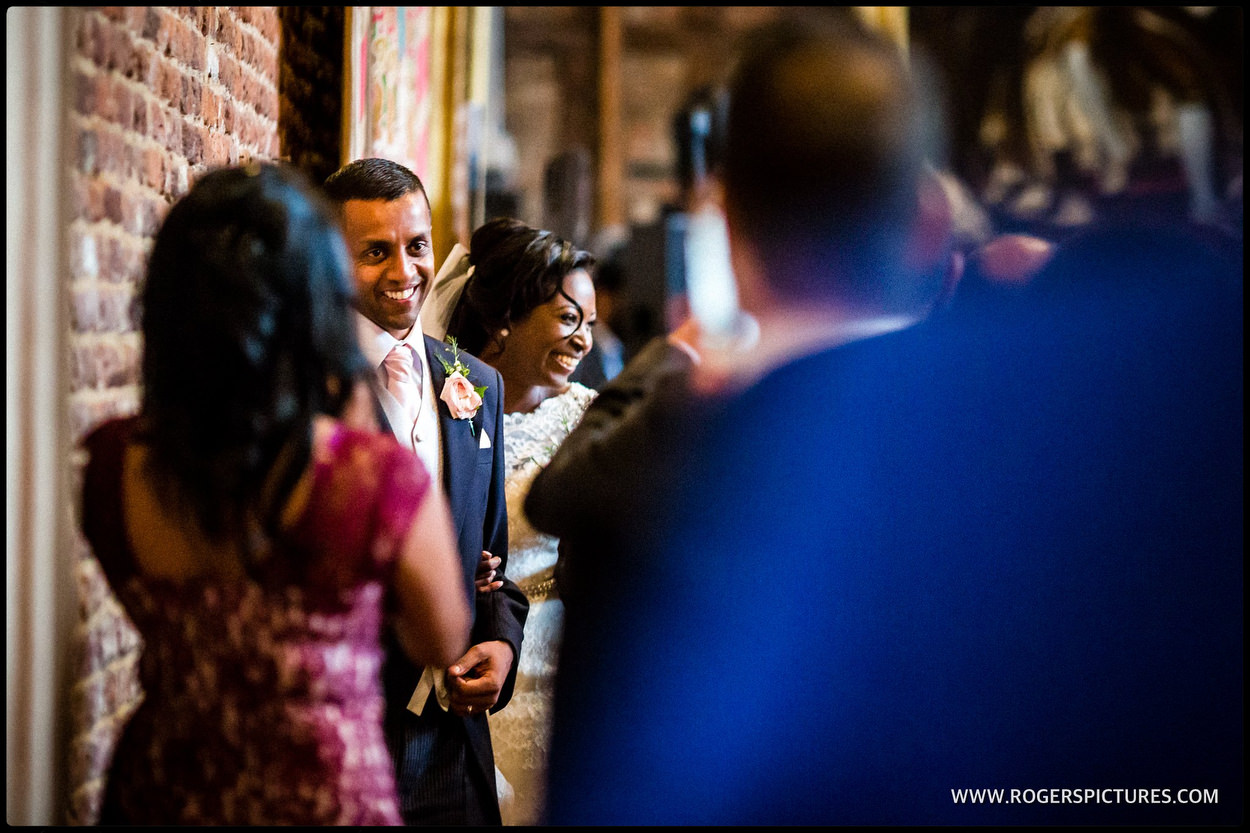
<point>711,290</point>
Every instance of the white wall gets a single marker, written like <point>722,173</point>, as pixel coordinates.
<point>38,550</point>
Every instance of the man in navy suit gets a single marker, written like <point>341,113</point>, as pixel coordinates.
<point>978,568</point>
<point>436,722</point>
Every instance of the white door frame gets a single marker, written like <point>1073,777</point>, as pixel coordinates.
<point>39,550</point>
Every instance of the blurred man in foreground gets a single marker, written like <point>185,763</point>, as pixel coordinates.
<point>869,566</point>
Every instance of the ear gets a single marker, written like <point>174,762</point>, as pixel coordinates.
<point>929,241</point>
<point>493,347</point>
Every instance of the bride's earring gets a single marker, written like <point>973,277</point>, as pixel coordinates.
<point>501,337</point>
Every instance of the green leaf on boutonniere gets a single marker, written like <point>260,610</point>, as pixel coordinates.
<point>457,366</point>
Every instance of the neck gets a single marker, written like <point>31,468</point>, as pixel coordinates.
<point>790,328</point>
<point>526,400</point>
<point>788,332</point>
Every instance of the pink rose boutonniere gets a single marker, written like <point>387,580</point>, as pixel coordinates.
<point>463,398</point>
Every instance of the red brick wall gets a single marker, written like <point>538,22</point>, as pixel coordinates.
<point>310,88</point>
<point>161,94</point>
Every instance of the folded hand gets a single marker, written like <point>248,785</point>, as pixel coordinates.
<point>475,681</point>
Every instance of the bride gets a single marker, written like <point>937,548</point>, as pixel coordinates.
<point>523,301</point>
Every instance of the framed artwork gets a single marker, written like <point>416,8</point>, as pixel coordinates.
<point>409,96</point>
<point>389,90</point>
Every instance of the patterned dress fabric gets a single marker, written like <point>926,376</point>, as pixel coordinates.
<point>520,732</point>
<point>262,696</point>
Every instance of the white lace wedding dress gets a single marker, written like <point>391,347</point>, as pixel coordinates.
<point>520,731</point>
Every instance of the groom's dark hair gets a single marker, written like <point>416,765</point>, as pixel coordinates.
<point>372,178</point>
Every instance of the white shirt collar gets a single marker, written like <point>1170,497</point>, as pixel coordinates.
<point>376,342</point>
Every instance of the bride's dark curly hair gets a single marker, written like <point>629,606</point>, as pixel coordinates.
<point>248,334</point>
<point>516,268</point>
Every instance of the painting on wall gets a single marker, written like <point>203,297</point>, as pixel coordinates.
<point>407,91</point>
<point>391,101</point>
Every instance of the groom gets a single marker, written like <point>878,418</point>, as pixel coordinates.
<point>447,406</point>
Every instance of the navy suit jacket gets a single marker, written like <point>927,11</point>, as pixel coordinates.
<point>998,551</point>
<point>473,478</point>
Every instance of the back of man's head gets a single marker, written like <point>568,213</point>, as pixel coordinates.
<point>824,150</point>
<point>372,179</point>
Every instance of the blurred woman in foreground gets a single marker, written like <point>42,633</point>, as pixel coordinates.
<point>258,542</point>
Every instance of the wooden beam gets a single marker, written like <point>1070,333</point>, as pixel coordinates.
<point>609,210</point>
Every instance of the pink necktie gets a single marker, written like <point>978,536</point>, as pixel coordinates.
<point>403,380</point>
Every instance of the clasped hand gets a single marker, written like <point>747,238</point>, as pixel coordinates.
<point>475,681</point>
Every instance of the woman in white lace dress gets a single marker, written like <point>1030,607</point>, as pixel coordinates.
<point>527,308</point>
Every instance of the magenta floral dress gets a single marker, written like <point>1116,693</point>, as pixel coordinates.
<point>262,697</point>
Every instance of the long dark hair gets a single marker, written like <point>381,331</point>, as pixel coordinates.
<point>516,269</point>
<point>248,334</point>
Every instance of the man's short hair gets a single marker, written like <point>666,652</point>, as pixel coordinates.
<point>372,179</point>
<point>824,151</point>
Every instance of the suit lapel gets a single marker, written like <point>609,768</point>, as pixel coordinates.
<point>394,414</point>
<point>380,411</point>
<point>459,444</point>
